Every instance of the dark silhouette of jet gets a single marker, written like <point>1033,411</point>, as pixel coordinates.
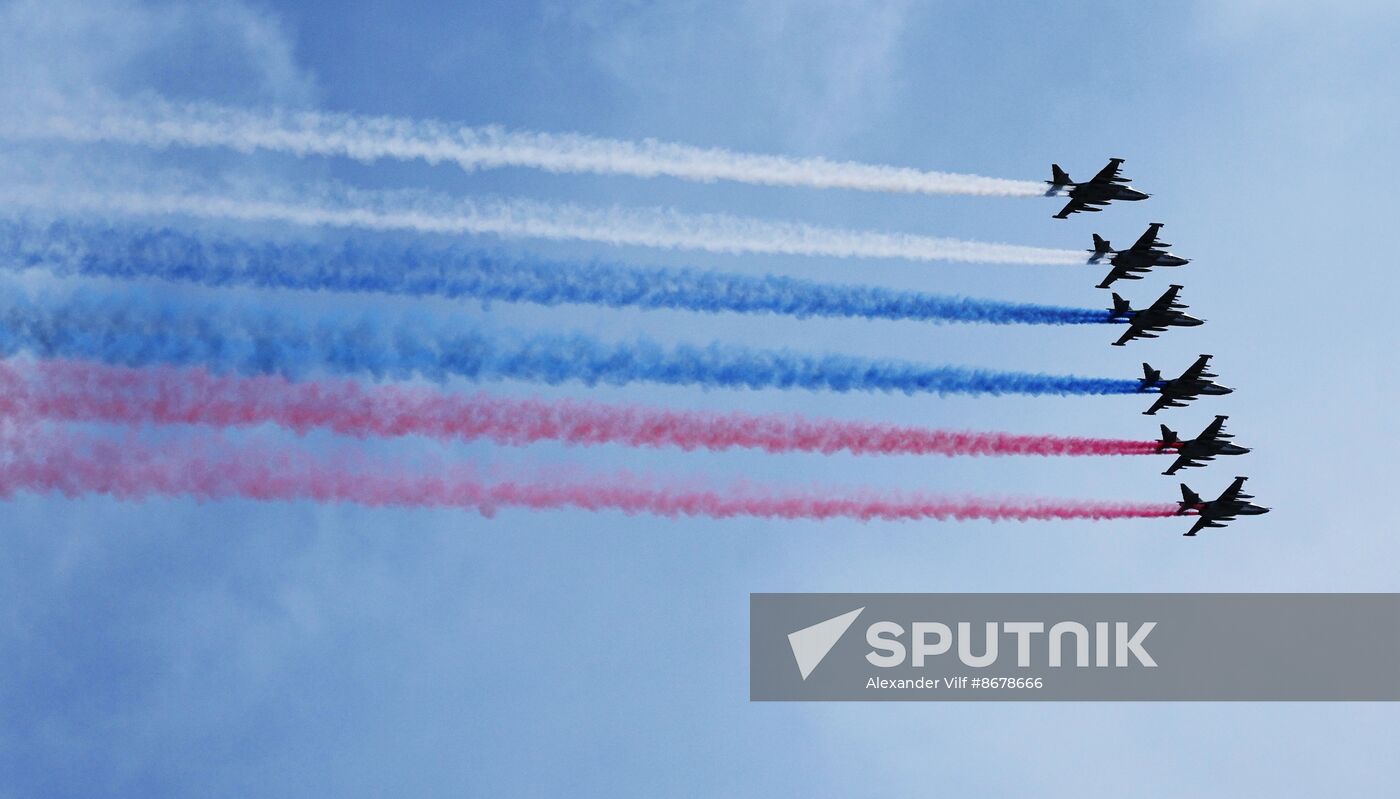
<point>1145,253</point>
<point>1148,322</point>
<point>1175,393</point>
<point>1232,502</point>
<point>1211,442</point>
<point>1106,187</point>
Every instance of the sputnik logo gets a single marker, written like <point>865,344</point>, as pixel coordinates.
<point>811,644</point>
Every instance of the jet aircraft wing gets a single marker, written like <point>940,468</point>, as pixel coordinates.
<point>1148,240</point>
<point>1118,272</point>
<point>1181,460</point>
<point>1233,492</point>
<point>1213,430</point>
<point>1166,302</point>
<point>1195,370</point>
<point>1109,174</point>
<point>1074,206</point>
<point>1201,524</point>
<point>1158,404</point>
<point>1134,331</point>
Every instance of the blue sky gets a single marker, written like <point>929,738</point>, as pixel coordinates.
<point>169,647</point>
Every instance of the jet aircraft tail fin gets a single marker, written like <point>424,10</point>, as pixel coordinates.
<point>1169,438</point>
<point>1190,500</point>
<point>1058,177</point>
<point>1120,306</point>
<point>1101,245</point>
<point>1151,376</point>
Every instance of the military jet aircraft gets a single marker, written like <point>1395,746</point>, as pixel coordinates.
<point>1106,187</point>
<point>1145,253</point>
<point>1192,383</point>
<point>1148,322</point>
<point>1232,502</point>
<point>1211,442</point>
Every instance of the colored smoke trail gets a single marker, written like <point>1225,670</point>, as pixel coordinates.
<point>360,267</point>
<point>340,207</point>
<point>138,329</point>
<point>159,123</point>
<point>76,391</point>
<point>213,469</point>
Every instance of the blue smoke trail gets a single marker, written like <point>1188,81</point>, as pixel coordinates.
<point>361,267</point>
<point>131,329</point>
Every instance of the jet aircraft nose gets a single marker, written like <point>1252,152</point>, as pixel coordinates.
<point>1173,260</point>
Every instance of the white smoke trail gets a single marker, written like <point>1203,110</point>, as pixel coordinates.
<point>514,218</point>
<point>159,123</point>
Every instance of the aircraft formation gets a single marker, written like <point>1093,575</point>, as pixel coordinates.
<point>1147,253</point>
<point>226,358</point>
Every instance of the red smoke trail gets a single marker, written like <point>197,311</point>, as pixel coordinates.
<point>72,391</point>
<point>40,460</point>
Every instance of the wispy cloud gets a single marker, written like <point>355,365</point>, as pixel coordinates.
<point>72,48</point>
<point>814,73</point>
